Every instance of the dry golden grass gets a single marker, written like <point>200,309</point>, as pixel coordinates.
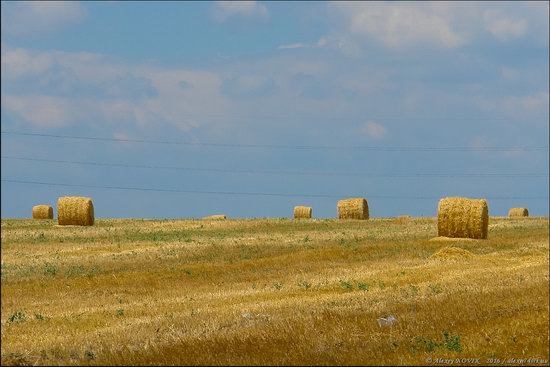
<point>75,210</point>
<point>462,217</point>
<point>271,292</point>
<point>42,212</point>
<point>302,212</point>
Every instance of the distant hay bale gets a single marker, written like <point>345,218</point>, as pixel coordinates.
<point>402,219</point>
<point>452,253</point>
<point>75,210</point>
<point>354,208</point>
<point>42,212</point>
<point>462,218</point>
<point>518,212</point>
<point>302,212</point>
<point>216,217</point>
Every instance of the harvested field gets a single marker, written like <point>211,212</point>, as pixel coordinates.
<point>272,291</point>
<point>452,253</point>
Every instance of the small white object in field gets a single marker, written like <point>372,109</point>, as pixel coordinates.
<point>386,321</point>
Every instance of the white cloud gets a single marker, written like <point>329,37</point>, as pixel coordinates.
<point>184,108</point>
<point>292,45</point>
<point>40,110</point>
<point>227,9</point>
<point>534,104</point>
<point>479,142</point>
<point>399,25</point>
<point>522,76</point>
<point>37,17</point>
<point>93,79</point>
<point>20,62</point>
<point>503,27</point>
<point>248,86</point>
<point>374,130</point>
<point>81,85</point>
<point>509,73</point>
<point>320,43</point>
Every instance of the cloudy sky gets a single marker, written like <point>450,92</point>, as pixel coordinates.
<point>315,98</point>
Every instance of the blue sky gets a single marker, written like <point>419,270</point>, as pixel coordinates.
<point>411,74</point>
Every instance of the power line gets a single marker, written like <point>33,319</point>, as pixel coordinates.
<point>300,147</point>
<point>296,173</point>
<point>259,193</point>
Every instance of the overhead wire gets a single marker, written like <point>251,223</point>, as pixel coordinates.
<point>300,147</point>
<point>253,193</point>
<point>284,172</point>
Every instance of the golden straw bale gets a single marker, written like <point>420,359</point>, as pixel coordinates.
<point>302,212</point>
<point>462,218</point>
<point>75,210</point>
<point>42,212</point>
<point>518,212</point>
<point>354,208</point>
<point>216,217</point>
<point>402,219</point>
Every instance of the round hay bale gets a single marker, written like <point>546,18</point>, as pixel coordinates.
<point>42,212</point>
<point>75,210</point>
<point>302,212</point>
<point>452,253</point>
<point>518,212</point>
<point>462,218</point>
<point>402,219</point>
<point>354,208</point>
<point>216,217</point>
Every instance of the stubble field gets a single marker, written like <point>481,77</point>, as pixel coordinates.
<point>272,291</point>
